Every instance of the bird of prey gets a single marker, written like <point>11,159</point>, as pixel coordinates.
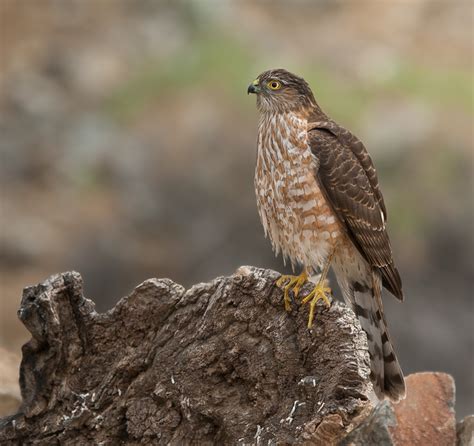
<point>320,204</point>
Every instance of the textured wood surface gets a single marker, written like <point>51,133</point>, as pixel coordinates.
<point>220,363</point>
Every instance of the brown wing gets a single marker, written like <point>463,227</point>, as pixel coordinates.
<point>349,180</point>
<point>349,140</point>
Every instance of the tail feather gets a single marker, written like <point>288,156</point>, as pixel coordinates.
<point>386,374</point>
<point>394,382</point>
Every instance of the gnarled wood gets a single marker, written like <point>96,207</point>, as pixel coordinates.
<point>220,363</point>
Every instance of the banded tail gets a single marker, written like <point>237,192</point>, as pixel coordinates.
<point>366,301</point>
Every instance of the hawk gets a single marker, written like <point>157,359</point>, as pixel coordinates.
<point>320,204</point>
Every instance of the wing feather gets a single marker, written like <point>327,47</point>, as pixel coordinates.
<point>349,181</point>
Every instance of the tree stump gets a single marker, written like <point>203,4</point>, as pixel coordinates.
<point>220,363</point>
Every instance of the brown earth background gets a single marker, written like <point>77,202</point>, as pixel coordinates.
<point>127,146</point>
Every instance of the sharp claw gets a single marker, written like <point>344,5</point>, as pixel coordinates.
<point>320,292</point>
<point>297,289</point>
<point>295,283</point>
<point>291,283</point>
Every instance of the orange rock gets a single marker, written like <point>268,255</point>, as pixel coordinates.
<point>426,416</point>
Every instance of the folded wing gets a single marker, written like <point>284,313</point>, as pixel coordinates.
<point>349,181</point>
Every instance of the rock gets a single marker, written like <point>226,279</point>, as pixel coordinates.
<point>375,429</point>
<point>220,363</point>
<point>465,431</point>
<point>427,415</point>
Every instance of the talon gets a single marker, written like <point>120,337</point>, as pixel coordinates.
<point>294,283</point>
<point>320,292</point>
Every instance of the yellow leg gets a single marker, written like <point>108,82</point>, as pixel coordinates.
<point>320,291</point>
<point>294,283</point>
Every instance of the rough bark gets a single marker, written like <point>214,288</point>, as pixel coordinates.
<point>220,363</point>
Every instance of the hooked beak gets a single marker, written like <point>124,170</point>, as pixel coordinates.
<point>254,87</point>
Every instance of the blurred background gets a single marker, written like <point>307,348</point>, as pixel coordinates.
<point>128,146</point>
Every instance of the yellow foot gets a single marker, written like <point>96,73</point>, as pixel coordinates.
<point>294,283</point>
<point>320,291</point>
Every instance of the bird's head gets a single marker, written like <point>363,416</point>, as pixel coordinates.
<point>281,91</point>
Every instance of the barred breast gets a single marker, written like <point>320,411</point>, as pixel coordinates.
<point>291,205</point>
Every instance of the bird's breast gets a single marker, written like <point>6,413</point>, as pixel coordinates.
<point>291,205</point>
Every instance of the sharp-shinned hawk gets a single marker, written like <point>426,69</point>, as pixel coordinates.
<point>320,204</point>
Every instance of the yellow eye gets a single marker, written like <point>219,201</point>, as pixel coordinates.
<point>274,85</point>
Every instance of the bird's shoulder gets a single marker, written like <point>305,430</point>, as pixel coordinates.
<point>335,143</point>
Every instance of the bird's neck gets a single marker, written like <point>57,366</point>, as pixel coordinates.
<point>309,114</point>
<point>277,121</point>
<point>279,133</point>
<point>284,122</point>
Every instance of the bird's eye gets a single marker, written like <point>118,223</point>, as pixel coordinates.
<point>274,85</point>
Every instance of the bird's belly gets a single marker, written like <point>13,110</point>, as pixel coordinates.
<point>297,217</point>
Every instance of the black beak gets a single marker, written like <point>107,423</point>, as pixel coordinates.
<point>252,89</point>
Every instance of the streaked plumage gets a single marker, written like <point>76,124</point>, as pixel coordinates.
<point>319,200</point>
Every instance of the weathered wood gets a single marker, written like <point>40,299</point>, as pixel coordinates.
<point>220,363</point>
